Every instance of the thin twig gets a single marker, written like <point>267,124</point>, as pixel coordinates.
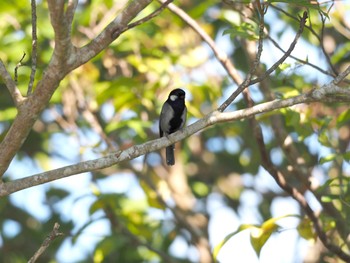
<point>341,76</point>
<point>256,61</point>
<point>288,52</point>
<point>313,32</point>
<point>48,240</point>
<point>11,85</point>
<point>329,61</point>
<point>119,31</point>
<point>274,42</point>
<point>19,64</point>
<point>34,48</point>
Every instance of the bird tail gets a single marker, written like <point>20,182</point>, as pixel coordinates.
<point>169,153</point>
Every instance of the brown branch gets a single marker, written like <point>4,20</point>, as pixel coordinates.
<point>65,58</point>
<point>325,93</point>
<point>11,85</point>
<point>300,60</point>
<point>34,48</point>
<point>48,240</point>
<point>286,55</point>
<point>116,33</point>
<point>18,65</point>
<point>32,107</point>
<point>313,32</point>
<point>256,60</point>
<point>329,61</point>
<point>296,194</point>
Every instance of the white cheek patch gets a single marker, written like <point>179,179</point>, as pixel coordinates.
<point>173,97</point>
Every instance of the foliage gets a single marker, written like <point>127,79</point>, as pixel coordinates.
<point>113,102</point>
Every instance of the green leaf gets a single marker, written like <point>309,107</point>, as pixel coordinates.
<point>343,118</point>
<point>227,238</point>
<point>201,189</point>
<point>258,236</point>
<point>105,201</point>
<point>287,91</point>
<point>328,158</point>
<point>8,114</point>
<point>306,230</point>
<point>327,184</point>
<point>346,156</point>
<point>244,30</point>
<point>329,198</point>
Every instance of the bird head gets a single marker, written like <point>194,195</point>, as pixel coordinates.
<point>177,94</point>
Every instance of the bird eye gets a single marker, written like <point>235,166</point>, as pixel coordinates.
<point>173,97</point>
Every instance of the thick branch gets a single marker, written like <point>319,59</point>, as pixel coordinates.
<point>327,92</point>
<point>61,22</point>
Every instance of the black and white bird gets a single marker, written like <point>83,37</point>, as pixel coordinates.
<point>172,118</point>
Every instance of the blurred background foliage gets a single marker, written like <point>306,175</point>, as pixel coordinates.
<point>113,102</point>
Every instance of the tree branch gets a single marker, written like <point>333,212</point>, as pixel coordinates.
<point>274,42</point>
<point>48,240</point>
<point>18,65</point>
<point>34,49</point>
<point>319,38</point>
<point>327,92</point>
<point>11,85</point>
<point>109,34</point>
<point>142,20</point>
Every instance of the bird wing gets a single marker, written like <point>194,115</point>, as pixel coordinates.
<point>183,118</point>
<point>166,115</point>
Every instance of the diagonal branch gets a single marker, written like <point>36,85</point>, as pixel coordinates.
<point>314,33</point>
<point>19,64</point>
<point>274,42</point>
<point>48,240</point>
<point>109,34</point>
<point>327,92</point>
<point>297,195</point>
<point>11,85</point>
<point>142,20</point>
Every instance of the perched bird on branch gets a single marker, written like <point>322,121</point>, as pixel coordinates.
<point>172,118</point>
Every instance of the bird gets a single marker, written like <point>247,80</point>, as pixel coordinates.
<point>172,118</point>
